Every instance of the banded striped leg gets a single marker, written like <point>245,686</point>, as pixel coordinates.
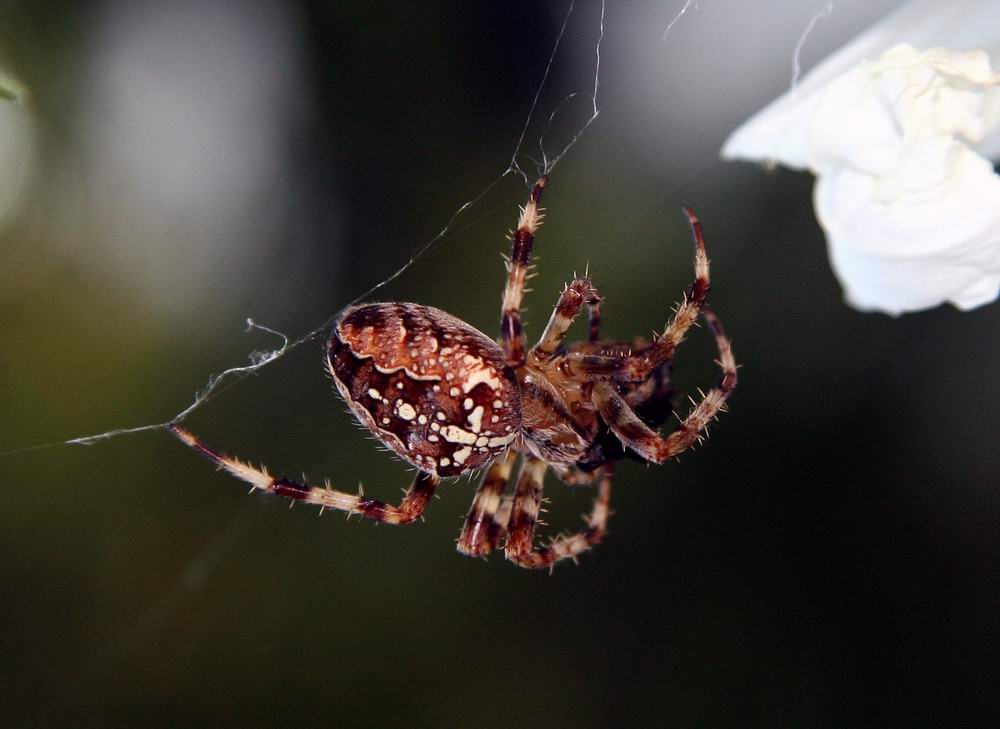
<point>581,291</point>
<point>639,367</point>
<point>573,474</point>
<point>409,509</point>
<point>486,522</point>
<point>524,518</point>
<point>511,334</point>
<point>595,320</point>
<point>646,442</point>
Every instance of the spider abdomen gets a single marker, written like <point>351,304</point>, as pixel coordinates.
<point>429,386</point>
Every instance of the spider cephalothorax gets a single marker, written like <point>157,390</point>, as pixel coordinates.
<point>448,399</point>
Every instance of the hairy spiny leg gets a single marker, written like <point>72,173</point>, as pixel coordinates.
<point>411,507</point>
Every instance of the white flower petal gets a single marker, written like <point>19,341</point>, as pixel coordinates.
<point>777,132</point>
<point>910,207</point>
<point>925,247</point>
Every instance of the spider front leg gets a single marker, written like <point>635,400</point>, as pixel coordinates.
<point>581,291</point>
<point>524,518</point>
<point>511,333</point>
<point>486,522</point>
<point>688,310</point>
<point>573,475</point>
<point>638,368</point>
<point>648,443</point>
<point>411,507</point>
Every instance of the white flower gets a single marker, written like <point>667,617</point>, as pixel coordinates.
<point>910,208</point>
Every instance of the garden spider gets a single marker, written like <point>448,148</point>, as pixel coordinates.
<point>448,400</point>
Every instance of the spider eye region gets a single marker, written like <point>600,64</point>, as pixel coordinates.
<point>429,386</point>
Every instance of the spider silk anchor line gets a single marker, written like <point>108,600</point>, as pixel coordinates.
<point>219,382</point>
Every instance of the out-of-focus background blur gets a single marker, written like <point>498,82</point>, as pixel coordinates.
<point>827,559</point>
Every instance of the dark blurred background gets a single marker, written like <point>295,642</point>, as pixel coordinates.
<point>828,559</point>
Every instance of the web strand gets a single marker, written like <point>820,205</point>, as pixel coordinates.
<point>676,18</point>
<point>797,53</point>
<point>513,165</point>
<point>222,381</point>
<point>549,165</point>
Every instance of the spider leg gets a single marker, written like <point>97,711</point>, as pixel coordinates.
<point>687,311</point>
<point>648,443</point>
<point>511,334</point>
<point>574,475</point>
<point>411,507</point>
<point>524,518</point>
<point>595,320</point>
<point>486,522</point>
<point>639,367</point>
<point>581,291</point>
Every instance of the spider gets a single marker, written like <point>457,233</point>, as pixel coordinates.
<point>449,400</point>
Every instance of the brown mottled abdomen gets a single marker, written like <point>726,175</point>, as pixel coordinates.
<point>430,386</point>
